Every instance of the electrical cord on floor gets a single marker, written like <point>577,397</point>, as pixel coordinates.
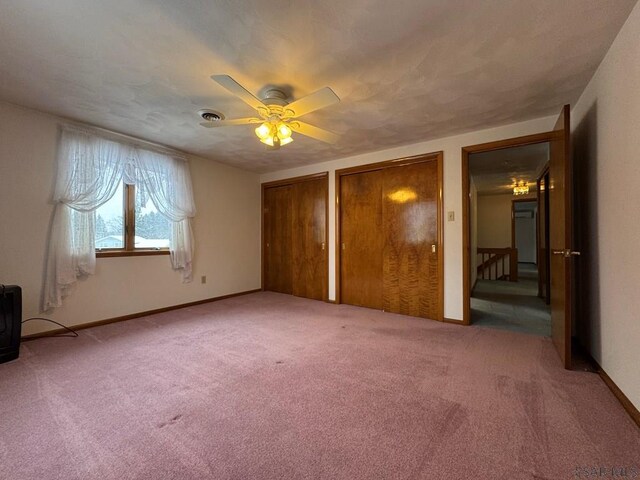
<point>70,330</point>
<point>4,323</point>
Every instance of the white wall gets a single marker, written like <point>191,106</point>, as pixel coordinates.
<point>451,146</point>
<point>494,221</point>
<point>606,137</point>
<point>226,228</point>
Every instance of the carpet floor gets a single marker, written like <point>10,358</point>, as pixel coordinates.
<point>269,386</point>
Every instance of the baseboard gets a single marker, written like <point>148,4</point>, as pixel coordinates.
<point>82,326</point>
<point>631,409</point>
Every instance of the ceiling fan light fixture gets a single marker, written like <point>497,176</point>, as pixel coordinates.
<point>284,131</point>
<point>521,188</point>
<point>264,131</point>
<point>274,135</point>
<point>275,128</point>
<point>268,141</point>
<point>275,141</point>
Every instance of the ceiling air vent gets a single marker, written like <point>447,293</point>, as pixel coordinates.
<point>211,115</point>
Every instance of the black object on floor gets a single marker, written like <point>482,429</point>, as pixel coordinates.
<point>10,322</point>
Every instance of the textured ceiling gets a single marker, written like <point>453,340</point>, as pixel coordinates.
<point>406,71</point>
<point>495,172</point>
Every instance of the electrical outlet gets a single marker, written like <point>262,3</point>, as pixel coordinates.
<point>203,279</point>
<point>451,216</point>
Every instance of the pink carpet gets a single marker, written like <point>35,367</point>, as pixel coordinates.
<point>268,386</point>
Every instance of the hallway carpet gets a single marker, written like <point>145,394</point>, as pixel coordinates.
<point>513,306</point>
<point>268,386</point>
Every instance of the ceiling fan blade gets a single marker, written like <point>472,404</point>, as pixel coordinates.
<point>313,132</point>
<point>238,90</point>
<point>314,101</point>
<point>231,122</point>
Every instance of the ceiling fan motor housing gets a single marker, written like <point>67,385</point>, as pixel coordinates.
<point>274,96</point>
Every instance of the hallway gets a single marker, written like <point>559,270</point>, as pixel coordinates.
<point>512,306</point>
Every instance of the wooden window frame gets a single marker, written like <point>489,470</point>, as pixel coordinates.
<point>129,250</point>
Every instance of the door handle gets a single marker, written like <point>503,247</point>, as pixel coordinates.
<point>566,253</point>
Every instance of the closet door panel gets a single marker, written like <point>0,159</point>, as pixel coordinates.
<point>361,237</point>
<point>308,258</point>
<point>410,260</point>
<point>278,239</point>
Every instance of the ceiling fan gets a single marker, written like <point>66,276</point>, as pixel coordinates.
<point>277,117</point>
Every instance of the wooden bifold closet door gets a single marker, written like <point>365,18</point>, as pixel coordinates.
<point>295,255</point>
<point>278,239</point>
<point>389,256</point>
<point>361,232</point>
<point>309,259</point>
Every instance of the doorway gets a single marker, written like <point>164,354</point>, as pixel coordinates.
<point>504,206</point>
<point>558,229</point>
<point>524,229</point>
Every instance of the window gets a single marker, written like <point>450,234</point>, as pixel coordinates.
<point>152,229</point>
<point>115,198</point>
<point>110,222</point>
<point>129,224</point>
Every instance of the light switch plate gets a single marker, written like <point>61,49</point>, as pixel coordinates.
<point>451,216</point>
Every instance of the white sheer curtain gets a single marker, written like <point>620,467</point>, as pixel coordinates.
<point>171,192</point>
<point>90,169</point>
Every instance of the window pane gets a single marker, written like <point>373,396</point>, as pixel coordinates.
<point>110,222</point>
<point>153,230</point>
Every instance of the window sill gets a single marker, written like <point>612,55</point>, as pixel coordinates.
<point>129,253</point>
